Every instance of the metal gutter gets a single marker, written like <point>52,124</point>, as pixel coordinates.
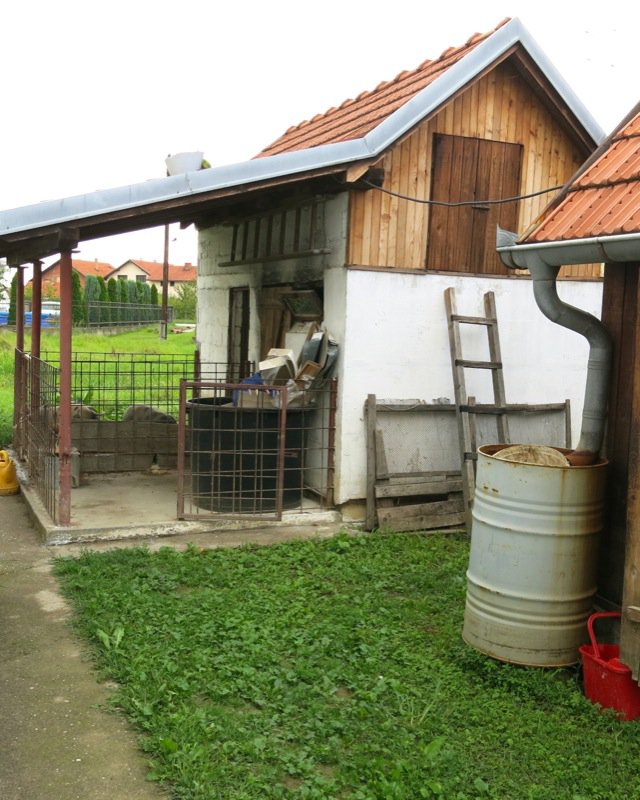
<point>619,248</point>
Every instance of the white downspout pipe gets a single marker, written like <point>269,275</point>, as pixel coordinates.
<point>545,292</point>
<point>594,413</point>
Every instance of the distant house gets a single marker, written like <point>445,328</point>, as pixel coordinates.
<point>51,274</point>
<point>151,272</point>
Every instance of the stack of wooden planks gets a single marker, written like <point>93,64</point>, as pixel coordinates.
<point>408,501</point>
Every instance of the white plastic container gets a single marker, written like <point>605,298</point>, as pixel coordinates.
<point>184,162</point>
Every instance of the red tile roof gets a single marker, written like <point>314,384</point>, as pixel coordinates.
<point>355,118</point>
<point>603,198</point>
<point>185,272</point>
<point>84,268</point>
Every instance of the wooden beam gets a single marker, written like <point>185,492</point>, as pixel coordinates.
<point>630,629</point>
<point>426,488</point>
<point>370,421</point>
<point>426,516</point>
<point>64,410</point>
<point>356,171</point>
<point>382,468</point>
<point>20,309</point>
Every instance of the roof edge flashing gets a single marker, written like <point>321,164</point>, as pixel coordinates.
<point>189,184</point>
<point>458,75</point>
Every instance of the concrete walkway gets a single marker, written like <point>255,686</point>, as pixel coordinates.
<point>57,743</point>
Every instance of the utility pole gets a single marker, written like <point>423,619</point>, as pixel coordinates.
<point>164,322</point>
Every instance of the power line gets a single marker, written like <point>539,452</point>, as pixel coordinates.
<point>462,202</point>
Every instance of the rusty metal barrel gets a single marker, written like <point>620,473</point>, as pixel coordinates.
<point>531,580</point>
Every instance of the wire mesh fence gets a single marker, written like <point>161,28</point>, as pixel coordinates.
<point>36,425</point>
<point>239,449</point>
<point>124,413</point>
<point>99,314</point>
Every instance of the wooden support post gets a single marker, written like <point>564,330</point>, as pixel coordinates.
<point>20,309</point>
<point>36,308</point>
<point>64,410</point>
<point>164,324</point>
<point>370,408</point>
<point>630,628</point>
<point>36,321</point>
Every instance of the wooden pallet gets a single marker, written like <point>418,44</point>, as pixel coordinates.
<point>407,501</point>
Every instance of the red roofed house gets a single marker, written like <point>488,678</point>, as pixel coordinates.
<point>51,274</point>
<point>596,217</point>
<point>151,272</point>
<point>347,206</point>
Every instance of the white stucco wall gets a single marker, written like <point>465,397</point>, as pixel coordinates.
<point>214,281</point>
<point>395,345</point>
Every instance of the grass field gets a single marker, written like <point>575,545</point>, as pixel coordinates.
<point>143,340</point>
<point>334,670</point>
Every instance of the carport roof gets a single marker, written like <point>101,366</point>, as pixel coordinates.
<point>35,231</point>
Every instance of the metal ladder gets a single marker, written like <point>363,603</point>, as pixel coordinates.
<point>465,406</point>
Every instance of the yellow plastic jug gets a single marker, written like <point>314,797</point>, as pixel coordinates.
<point>8,479</point>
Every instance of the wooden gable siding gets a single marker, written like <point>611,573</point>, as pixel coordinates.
<point>391,232</point>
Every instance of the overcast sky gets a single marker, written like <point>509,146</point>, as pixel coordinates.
<point>96,95</point>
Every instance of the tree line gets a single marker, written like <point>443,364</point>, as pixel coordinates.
<point>100,302</point>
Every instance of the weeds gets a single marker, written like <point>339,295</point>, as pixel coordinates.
<point>333,669</point>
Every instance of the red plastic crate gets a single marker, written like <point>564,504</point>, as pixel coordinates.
<point>607,681</point>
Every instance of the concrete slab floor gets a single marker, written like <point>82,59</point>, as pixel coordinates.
<point>140,505</point>
<point>58,743</point>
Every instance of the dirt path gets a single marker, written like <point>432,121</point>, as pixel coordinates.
<point>56,743</point>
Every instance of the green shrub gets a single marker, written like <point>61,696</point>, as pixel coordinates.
<point>105,310</point>
<point>114,299</point>
<point>12,299</point>
<point>91,297</point>
<point>77,303</point>
<point>184,302</point>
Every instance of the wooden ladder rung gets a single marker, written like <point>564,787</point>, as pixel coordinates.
<point>473,320</point>
<point>466,362</point>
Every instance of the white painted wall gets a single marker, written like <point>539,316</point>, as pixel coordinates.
<point>395,345</point>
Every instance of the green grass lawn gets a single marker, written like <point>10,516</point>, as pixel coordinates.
<point>141,340</point>
<point>334,669</point>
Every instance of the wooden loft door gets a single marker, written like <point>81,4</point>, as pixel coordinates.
<point>462,238</point>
